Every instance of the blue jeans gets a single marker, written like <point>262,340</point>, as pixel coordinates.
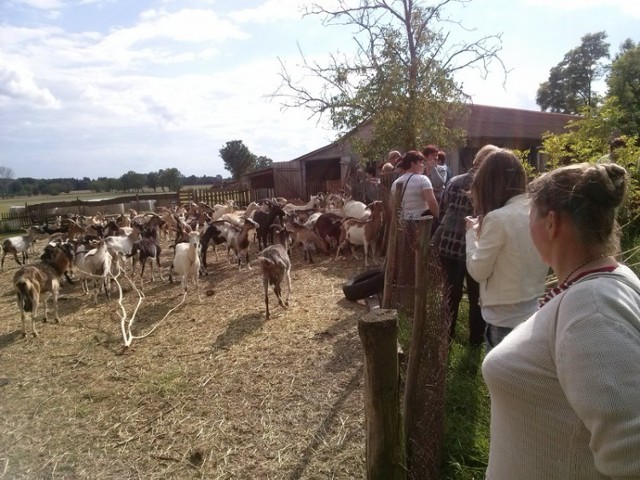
<point>494,335</point>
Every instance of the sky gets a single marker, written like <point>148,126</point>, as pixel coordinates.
<point>97,88</point>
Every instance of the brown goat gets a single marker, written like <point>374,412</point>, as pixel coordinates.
<point>362,232</point>
<point>30,281</point>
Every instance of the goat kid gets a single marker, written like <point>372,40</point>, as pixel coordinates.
<point>43,278</point>
<point>275,264</point>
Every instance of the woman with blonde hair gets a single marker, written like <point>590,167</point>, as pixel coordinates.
<point>564,386</point>
<point>501,256</point>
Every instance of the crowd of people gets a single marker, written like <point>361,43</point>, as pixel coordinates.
<point>562,365</point>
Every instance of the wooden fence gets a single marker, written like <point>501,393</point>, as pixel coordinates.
<point>241,197</point>
<point>41,213</point>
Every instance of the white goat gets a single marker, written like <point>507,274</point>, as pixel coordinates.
<point>121,245</point>
<point>21,244</point>
<point>186,261</point>
<point>314,202</point>
<point>219,210</point>
<point>94,264</point>
<point>362,232</point>
<point>275,264</point>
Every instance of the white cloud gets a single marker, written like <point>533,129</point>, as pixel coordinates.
<point>17,84</point>
<point>43,4</point>
<point>629,7</point>
<point>271,11</point>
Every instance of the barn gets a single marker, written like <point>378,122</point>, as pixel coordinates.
<point>328,168</point>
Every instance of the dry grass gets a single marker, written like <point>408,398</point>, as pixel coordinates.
<point>215,392</point>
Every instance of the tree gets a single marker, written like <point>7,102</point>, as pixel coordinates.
<point>263,162</point>
<point>570,84</point>
<point>237,158</point>
<point>152,180</point>
<point>624,85</point>
<point>171,178</point>
<point>6,175</point>
<point>133,181</point>
<point>400,81</point>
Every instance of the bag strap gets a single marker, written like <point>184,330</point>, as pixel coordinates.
<point>404,189</point>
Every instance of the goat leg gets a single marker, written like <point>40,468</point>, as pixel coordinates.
<point>265,283</point>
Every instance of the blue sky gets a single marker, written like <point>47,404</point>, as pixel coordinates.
<point>92,88</point>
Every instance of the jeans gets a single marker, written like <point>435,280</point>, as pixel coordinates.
<point>494,335</point>
<point>455,275</point>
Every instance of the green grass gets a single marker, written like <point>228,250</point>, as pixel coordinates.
<point>466,442</point>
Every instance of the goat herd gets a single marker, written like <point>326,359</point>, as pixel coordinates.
<point>94,250</point>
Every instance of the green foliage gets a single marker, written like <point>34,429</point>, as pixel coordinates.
<point>569,87</point>
<point>400,81</point>
<point>171,178</point>
<point>587,140</point>
<point>624,85</point>
<point>238,159</point>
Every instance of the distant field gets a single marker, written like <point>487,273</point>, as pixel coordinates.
<point>5,203</point>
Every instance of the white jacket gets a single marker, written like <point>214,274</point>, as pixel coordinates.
<point>503,260</point>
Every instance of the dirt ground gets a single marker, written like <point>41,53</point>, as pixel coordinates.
<point>215,392</point>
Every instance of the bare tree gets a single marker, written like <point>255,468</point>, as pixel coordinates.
<point>401,76</point>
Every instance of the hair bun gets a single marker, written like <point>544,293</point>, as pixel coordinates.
<point>606,184</point>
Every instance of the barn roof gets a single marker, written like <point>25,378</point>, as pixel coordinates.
<point>498,122</point>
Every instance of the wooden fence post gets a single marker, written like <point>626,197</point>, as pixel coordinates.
<point>392,257</point>
<point>418,333</point>
<point>384,438</point>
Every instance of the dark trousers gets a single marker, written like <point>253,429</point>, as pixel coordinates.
<point>455,275</point>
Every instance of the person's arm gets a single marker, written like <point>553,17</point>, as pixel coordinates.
<point>483,251</point>
<point>432,203</point>
<point>598,364</point>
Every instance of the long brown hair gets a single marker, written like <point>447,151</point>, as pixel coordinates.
<point>499,178</point>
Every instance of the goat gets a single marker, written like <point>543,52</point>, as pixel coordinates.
<point>219,210</point>
<point>264,221</point>
<point>94,264</point>
<point>354,209</point>
<point>186,261</point>
<point>328,227</point>
<point>30,281</point>
<point>146,248</point>
<point>362,232</point>
<point>238,240</point>
<point>275,264</point>
<point>306,237</point>
<point>314,202</point>
<point>21,244</point>
<point>212,232</point>
<point>121,245</point>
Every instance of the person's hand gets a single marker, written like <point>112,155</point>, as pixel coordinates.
<point>470,222</point>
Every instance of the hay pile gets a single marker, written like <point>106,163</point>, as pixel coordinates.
<point>215,392</point>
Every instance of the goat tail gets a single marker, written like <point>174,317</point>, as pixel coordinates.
<point>26,293</point>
